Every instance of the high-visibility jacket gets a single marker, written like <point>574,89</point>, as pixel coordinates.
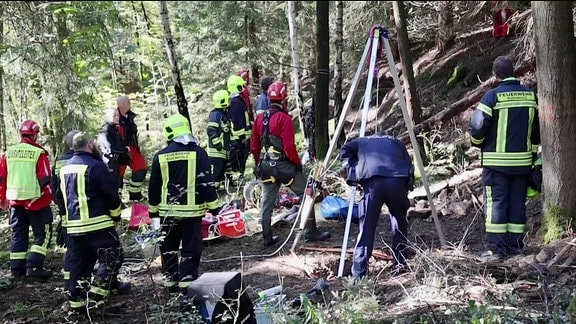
<point>505,126</point>
<point>89,194</point>
<point>241,126</point>
<point>58,164</point>
<point>25,176</point>
<point>181,182</point>
<point>219,130</point>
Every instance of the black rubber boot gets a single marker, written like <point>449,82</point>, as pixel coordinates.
<point>39,273</point>
<point>311,232</point>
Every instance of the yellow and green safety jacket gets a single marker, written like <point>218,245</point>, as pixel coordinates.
<point>219,133</point>
<point>505,126</point>
<point>181,183</point>
<point>89,195</point>
<point>24,184</point>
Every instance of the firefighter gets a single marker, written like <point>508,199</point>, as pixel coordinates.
<point>115,152</point>
<point>505,126</point>
<point>279,162</point>
<point>60,229</point>
<point>219,136</point>
<point>181,189</point>
<point>262,103</point>
<point>129,131</point>
<point>241,128</point>
<point>25,189</point>
<point>92,205</point>
<point>382,167</point>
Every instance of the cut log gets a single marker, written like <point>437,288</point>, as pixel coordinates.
<point>463,104</point>
<point>463,177</point>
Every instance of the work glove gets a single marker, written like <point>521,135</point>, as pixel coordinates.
<point>218,147</point>
<point>299,168</point>
<point>153,214</point>
<point>215,211</point>
<point>60,236</point>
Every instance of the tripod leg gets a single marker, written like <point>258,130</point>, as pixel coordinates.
<point>408,122</point>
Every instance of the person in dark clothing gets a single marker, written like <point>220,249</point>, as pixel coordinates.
<point>89,196</point>
<point>381,165</point>
<point>218,132</point>
<point>115,152</point>
<point>181,190</point>
<point>241,128</point>
<point>60,229</point>
<point>506,127</point>
<point>277,162</point>
<point>129,131</point>
<point>263,103</point>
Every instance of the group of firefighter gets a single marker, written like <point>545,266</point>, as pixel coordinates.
<point>86,183</point>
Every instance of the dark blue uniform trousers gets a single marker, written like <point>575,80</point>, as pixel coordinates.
<point>378,191</point>
<point>84,251</point>
<point>505,209</point>
<point>187,231</point>
<point>41,223</point>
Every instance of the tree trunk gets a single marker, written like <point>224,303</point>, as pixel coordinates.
<point>2,124</point>
<point>250,43</point>
<point>555,67</point>
<point>171,53</point>
<point>321,109</point>
<point>137,39</point>
<point>339,46</point>
<point>296,70</point>
<point>410,92</point>
<point>445,32</point>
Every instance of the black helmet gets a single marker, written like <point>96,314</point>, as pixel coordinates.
<point>266,82</point>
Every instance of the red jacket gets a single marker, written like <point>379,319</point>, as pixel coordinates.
<point>245,94</point>
<point>42,173</point>
<point>280,125</point>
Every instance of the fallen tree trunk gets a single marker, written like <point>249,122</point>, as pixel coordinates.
<point>377,254</point>
<point>456,180</point>
<point>461,105</point>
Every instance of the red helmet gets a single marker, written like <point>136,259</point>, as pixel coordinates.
<point>277,91</point>
<point>245,74</point>
<point>29,127</point>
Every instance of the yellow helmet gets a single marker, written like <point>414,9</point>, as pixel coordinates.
<point>221,99</point>
<point>235,84</point>
<point>176,125</point>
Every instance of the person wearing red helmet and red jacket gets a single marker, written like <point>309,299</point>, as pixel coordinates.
<point>25,188</point>
<point>273,146</point>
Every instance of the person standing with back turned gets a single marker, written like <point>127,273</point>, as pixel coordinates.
<point>506,127</point>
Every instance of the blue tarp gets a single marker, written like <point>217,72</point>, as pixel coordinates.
<point>333,207</point>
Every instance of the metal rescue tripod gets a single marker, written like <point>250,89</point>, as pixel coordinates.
<point>377,36</point>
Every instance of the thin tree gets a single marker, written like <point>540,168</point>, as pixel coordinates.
<point>556,78</point>
<point>171,53</point>
<point>410,92</point>
<point>339,47</point>
<point>2,125</point>
<point>321,109</point>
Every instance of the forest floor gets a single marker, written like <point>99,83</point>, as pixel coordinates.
<point>440,287</point>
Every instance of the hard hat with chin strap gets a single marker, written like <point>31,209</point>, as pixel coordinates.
<point>175,126</point>
<point>221,99</point>
<point>235,84</point>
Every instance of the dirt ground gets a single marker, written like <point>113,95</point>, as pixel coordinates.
<point>45,302</point>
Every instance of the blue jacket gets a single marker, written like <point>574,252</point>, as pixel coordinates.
<point>505,126</point>
<point>90,195</point>
<point>181,182</point>
<point>262,103</point>
<point>378,155</point>
<point>58,164</point>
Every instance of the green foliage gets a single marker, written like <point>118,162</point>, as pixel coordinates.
<point>556,222</point>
